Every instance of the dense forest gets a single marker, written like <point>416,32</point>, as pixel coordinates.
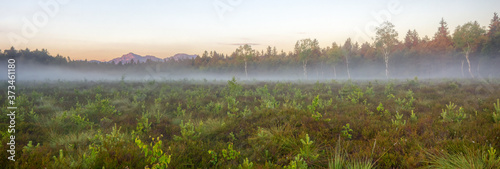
<point>471,50</point>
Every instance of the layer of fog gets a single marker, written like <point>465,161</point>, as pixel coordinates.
<point>36,72</point>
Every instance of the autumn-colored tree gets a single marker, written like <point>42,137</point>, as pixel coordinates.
<point>492,45</point>
<point>386,40</point>
<point>367,51</point>
<point>467,38</point>
<point>411,39</point>
<point>441,42</point>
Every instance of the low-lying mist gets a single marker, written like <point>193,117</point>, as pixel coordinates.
<point>39,72</point>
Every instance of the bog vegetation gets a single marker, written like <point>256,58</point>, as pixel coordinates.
<point>250,124</point>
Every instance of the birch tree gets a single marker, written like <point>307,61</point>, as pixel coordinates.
<point>247,53</point>
<point>386,40</point>
<point>347,50</point>
<point>333,55</point>
<point>306,49</point>
<point>467,38</point>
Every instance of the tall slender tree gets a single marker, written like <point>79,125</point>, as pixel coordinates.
<point>247,53</point>
<point>467,38</point>
<point>333,55</point>
<point>386,40</point>
<point>306,49</point>
<point>347,51</point>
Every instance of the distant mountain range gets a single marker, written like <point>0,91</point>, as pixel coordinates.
<point>127,58</point>
<point>181,56</point>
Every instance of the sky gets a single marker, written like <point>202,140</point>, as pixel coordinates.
<point>103,30</point>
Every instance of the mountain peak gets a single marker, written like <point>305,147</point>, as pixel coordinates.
<point>127,58</point>
<point>181,56</point>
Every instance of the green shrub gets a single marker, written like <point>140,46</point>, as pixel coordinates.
<point>246,164</point>
<point>308,151</point>
<point>187,132</point>
<point>346,131</point>
<point>154,153</point>
<point>312,108</point>
<point>452,115</point>
<point>297,163</point>
<point>399,120</point>
<point>413,117</point>
<point>496,113</point>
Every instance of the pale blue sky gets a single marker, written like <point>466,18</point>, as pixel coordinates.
<point>103,30</point>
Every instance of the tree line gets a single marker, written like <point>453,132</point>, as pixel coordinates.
<point>470,50</point>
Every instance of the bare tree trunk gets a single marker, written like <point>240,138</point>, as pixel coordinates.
<point>463,69</point>
<point>304,66</point>
<point>468,62</point>
<point>347,64</point>
<point>246,72</point>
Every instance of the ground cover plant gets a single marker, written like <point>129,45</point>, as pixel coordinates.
<point>446,123</point>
